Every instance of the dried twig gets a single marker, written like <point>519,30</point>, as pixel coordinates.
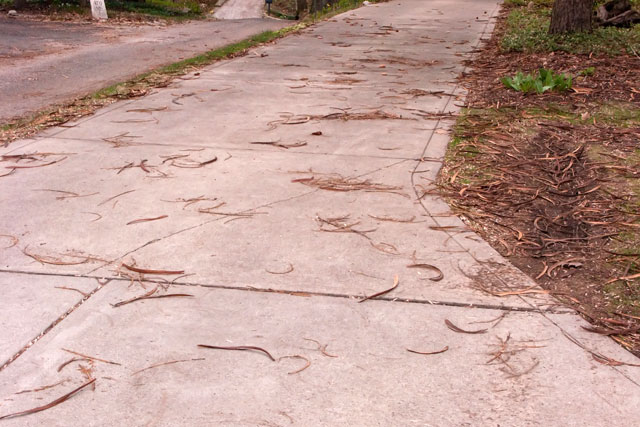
<point>149,295</point>
<point>429,352</point>
<point>288,270</point>
<point>137,221</point>
<point>391,219</point>
<point>240,348</point>
<point>396,282</point>
<point>336,182</point>
<point>14,240</point>
<point>49,405</point>
<point>497,320</point>
<point>46,259</point>
<point>151,271</point>
<point>91,357</point>
<point>84,294</point>
<point>454,328</point>
<point>297,356</point>
<point>321,348</point>
<point>167,363</point>
<point>44,387</point>
<point>440,275</point>
<point>116,196</point>
<point>73,359</point>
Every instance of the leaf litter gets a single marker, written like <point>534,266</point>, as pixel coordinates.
<point>551,181</point>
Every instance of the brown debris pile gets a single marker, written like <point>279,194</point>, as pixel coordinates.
<point>551,181</point>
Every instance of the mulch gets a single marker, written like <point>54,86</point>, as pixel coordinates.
<point>549,181</point>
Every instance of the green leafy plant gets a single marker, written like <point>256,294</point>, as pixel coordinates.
<point>545,80</point>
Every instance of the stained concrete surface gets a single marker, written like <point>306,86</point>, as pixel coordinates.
<point>263,269</point>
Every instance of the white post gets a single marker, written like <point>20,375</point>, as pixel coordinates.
<point>99,10</point>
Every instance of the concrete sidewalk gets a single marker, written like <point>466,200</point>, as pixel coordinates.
<point>326,146</point>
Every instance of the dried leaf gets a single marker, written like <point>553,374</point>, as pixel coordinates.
<point>49,405</point>
<point>462,331</point>
<point>429,352</point>
<point>239,348</point>
<point>396,282</point>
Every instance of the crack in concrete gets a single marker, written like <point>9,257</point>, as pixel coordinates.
<point>55,322</point>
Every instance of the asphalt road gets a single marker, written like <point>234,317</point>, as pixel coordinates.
<point>42,64</point>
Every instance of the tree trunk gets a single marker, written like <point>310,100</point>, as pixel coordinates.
<point>318,5</point>
<point>570,16</point>
<point>301,7</point>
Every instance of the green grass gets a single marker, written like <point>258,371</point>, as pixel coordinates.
<point>527,31</point>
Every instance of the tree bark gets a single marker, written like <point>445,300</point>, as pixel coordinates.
<point>301,7</point>
<point>570,16</point>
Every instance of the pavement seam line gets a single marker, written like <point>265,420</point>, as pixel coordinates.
<point>530,309</point>
<point>55,323</point>
<point>250,150</point>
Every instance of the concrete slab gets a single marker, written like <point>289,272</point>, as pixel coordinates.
<point>372,380</point>
<point>223,249</point>
<point>31,303</point>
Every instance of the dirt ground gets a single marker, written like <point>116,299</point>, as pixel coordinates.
<point>551,181</point>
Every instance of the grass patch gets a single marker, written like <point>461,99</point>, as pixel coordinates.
<point>527,30</point>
